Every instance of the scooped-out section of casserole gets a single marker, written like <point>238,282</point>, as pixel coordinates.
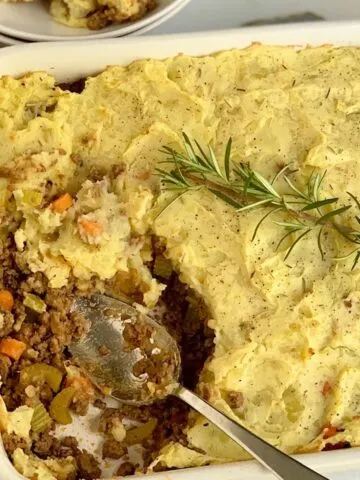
<point>270,338</point>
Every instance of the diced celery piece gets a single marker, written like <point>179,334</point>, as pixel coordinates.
<point>4,193</point>
<point>162,267</point>
<point>138,434</point>
<point>59,407</point>
<point>40,419</point>
<point>38,372</point>
<point>34,303</point>
<point>32,198</point>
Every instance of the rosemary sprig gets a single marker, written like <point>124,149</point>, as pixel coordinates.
<point>245,189</point>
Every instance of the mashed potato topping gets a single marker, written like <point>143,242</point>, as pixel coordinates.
<point>287,333</point>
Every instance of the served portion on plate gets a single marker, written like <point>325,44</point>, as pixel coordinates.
<point>88,19</point>
<point>244,243</point>
<point>96,15</point>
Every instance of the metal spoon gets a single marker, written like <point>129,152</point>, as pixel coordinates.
<point>104,355</point>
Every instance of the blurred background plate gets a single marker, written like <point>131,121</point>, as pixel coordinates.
<point>6,40</point>
<point>32,21</point>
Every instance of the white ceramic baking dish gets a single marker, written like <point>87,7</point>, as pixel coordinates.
<point>72,60</point>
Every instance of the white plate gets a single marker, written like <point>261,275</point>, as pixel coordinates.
<point>73,60</point>
<point>32,21</point>
<point>6,40</point>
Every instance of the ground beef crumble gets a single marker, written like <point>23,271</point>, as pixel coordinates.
<point>12,442</point>
<point>235,399</point>
<point>336,446</point>
<point>125,469</point>
<point>113,449</point>
<point>88,466</point>
<point>5,365</point>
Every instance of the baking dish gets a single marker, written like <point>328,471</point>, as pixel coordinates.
<point>73,60</point>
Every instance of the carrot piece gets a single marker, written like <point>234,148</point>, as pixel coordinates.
<point>6,300</point>
<point>329,431</point>
<point>327,389</point>
<point>63,203</point>
<point>90,227</point>
<point>12,348</point>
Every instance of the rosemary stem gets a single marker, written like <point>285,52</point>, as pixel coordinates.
<point>297,214</point>
<point>245,189</point>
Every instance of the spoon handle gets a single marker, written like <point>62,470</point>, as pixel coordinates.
<point>281,465</point>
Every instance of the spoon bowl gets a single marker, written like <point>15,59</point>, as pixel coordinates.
<point>121,343</point>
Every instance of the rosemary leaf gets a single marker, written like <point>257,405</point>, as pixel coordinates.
<point>200,150</point>
<point>279,174</point>
<point>357,258</point>
<point>283,238</point>
<point>296,190</point>
<point>319,203</point>
<point>214,162</point>
<point>247,183</point>
<point>227,159</point>
<point>168,205</point>
<point>332,214</point>
<point>254,205</point>
<point>356,200</point>
<point>348,255</point>
<point>316,184</point>
<point>174,179</point>
<point>319,243</point>
<point>267,215</point>
<point>167,150</point>
<point>202,163</point>
<point>291,225</point>
<point>300,237</point>
<point>189,147</point>
<point>266,184</point>
<point>225,198</point>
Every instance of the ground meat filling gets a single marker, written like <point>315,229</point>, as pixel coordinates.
<point>165,420</point>
<point>185,318</point>
<point>74,87</point>
<point>12,442</point>
<point>159,367</point>
<point>5,365</point>
<point>88,466</point>
<point>47,335</point>
<point>113,449</point>
<point>107,15</point>
<point>235,399</point>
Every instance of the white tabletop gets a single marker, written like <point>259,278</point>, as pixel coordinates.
<point>219,14</point>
